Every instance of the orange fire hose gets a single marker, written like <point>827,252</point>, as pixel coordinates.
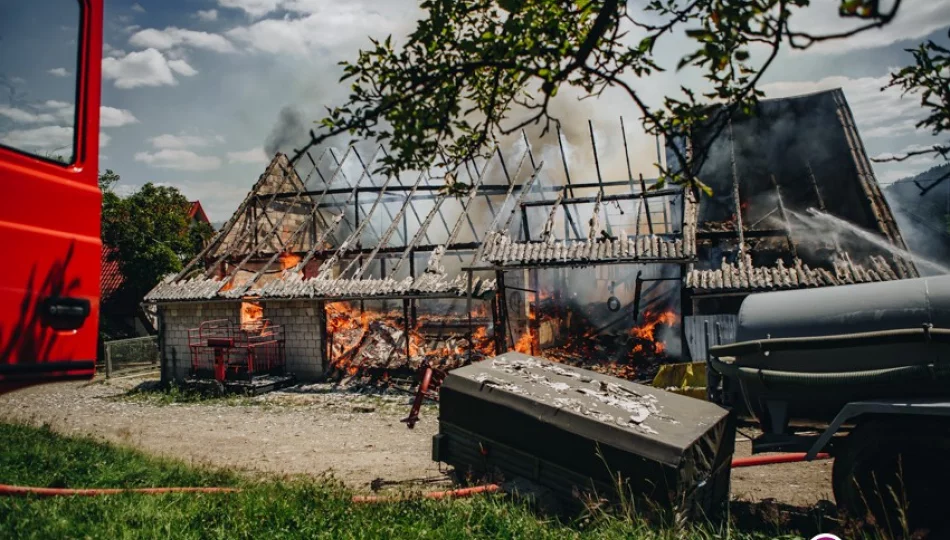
<point>9,490</point>
<point>51,492</point>
<point>753,461</point>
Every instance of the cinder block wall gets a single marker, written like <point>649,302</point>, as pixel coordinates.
<point>177,320</point>
<point>301,322</point>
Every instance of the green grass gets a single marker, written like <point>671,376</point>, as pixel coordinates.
<point>278,508</point>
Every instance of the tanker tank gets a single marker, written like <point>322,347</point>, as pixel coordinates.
<point>802,355</point>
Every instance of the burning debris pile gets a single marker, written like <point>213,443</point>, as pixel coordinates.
<point>569,333</point>
<point>373,347</point>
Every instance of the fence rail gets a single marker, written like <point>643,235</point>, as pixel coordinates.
<point>126,355</point>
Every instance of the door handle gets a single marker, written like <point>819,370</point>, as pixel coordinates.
<point>66,313</point>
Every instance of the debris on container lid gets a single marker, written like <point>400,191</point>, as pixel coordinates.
<point>559,386</point>
<point>484,378</point>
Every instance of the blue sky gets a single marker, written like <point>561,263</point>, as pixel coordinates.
<point>193,89</point>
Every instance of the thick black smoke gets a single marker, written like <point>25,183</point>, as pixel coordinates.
<point>288,133</point>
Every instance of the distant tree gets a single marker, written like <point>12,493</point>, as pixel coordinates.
<point>475,70</point>
<point>928,77</point>
<point>150,231</point>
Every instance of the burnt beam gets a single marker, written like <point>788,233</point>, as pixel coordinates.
<point>760,233</point>
<point>605,198</point>
<point>482,190</point>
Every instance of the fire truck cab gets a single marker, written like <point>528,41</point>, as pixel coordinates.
<point>50,73</point>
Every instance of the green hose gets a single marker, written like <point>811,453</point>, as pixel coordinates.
<point>881,337</point>
<point>842,378</point>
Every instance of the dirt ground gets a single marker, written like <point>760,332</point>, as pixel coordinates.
<point>311,430</point>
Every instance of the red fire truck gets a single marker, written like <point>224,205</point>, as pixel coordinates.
<point>51,204</point>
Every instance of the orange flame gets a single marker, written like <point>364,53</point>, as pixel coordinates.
<point>647,330</point>
<point>351,327</point>
<point>251,312</point>
<point>525,343</point>
<point>289,260</point>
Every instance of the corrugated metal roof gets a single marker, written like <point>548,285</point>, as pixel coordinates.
<point>747,277</point>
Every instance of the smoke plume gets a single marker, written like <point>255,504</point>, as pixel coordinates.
<point>288,133</point>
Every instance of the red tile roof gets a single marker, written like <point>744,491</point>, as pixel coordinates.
<point>197,212</point>
<point>111,278</point>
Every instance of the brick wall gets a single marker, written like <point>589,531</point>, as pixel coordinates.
<point>177,320</point>
<point>301,322</point>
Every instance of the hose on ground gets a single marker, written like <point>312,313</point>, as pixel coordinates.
<point>754,461</point>
<point>12,490</point>
<point>53,492</point>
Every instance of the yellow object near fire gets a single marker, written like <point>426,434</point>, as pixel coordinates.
<point>688,379</point>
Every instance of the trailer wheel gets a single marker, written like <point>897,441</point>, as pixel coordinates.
<point>895,473</point>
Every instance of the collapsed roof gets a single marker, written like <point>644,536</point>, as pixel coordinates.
<point>338,232</point>
<point>794,204</point>
<point>327,228</point>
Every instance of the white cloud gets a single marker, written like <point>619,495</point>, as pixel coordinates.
<point>26,117</point>
<point>110,51</point>
<point>104,140</point>
<point>46,138</point>
<point>254,8</point>
<point>254,155</point>
<point>182,67</point>
<point>181,160</point>
<point>141,68</point>
<point>180,141</point>
<point>123,190</point>
<point>878,113</point>
<point>207,14</point>
<point>53,112</point>
<point>59,72</point>
<point>914,20</point>
<point>337,26</point>
<point>112,117</point>
<point>138,8</point>
<point>177,37</point>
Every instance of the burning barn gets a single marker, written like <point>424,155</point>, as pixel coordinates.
<point>795,205</point>
<point>373,277</point>
<point>361,274</point>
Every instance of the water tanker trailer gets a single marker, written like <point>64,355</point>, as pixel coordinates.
<point>859,371</point>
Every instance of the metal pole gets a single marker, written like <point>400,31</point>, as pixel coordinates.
<point>735,195</point>
<point>646,205</point>
<point>468,308</point>
<point>593,145</point>
<point>108,351</point>
<point>503,332</point>
<point>406,329</point>
<point>781,209</point>
<point>626,154</point>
